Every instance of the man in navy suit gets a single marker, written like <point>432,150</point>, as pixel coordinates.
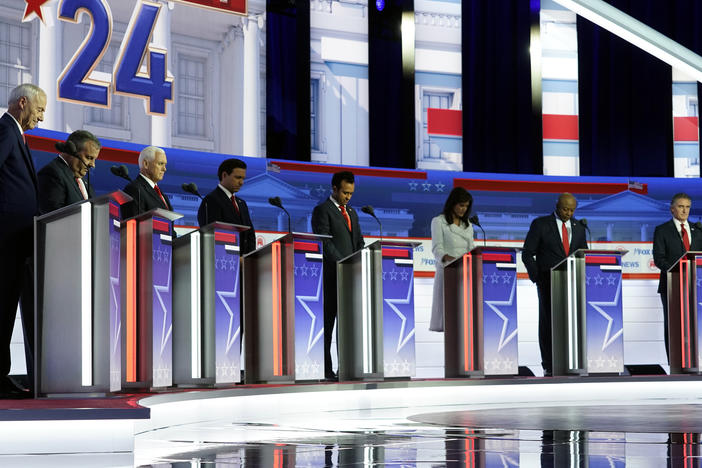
<point>670,241</point>
<point>550,239</point>
<point>144,190</point>
<point>61,181</point>
<point>223,205</point>
<point>335,218</point>
<point>18,206</point>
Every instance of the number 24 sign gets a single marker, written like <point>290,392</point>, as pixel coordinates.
<point>155,85</point>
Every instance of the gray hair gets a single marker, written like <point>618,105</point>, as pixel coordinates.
<point>27,90</point>
<point>149,154</point>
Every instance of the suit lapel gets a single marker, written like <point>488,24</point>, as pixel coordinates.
<point>553,228</point>
<point>24,149</point>
<point>70,179</point>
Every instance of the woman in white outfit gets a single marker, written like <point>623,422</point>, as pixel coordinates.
<point>451,237</point>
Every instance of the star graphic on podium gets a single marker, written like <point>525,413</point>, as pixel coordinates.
<point>402,339</point>
<point>115,294</point>
<point>34,6</point>
<point>505,321</point>
<point>609,338</point>
<point>312,337</point>
<point>232,334</point>
<point>166,327</point>
<point>413,186</point>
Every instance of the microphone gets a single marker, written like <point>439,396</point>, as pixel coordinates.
<point>583,221</point>
<point>370,211</point>
<point>121,171</point>
<point>275,201</point>
<point>192,189</point>
<point>475,220</point>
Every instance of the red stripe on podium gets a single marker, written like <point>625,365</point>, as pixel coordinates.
<point>114,210</point>
<point>495,257</point>
<point>396,253</point>
<point>597,260</point>
<point>306,246</point>
<point>162,226</point>
<point>228,237</point>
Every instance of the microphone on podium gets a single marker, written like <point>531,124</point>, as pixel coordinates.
<point>583,221</point>
<point>275,201</point>
<point>475,220</point>
<point>370,211</point>
<point>192,189</point>
<point>121,171</point>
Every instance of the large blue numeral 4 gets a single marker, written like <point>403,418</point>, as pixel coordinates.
<point>155,84</point>
<point>72,83</point>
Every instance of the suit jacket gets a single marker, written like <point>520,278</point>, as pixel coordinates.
<point>327,219</point>
<point>18,188</point>
<point>543,247</point>
<point>144,198</point>
<point>668,247</point>
<point>216,206</point>
<point>58,186</point>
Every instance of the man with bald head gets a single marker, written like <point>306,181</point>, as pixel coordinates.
<point>550,239</point>
<point>18,206</point>
<point>144,189</point>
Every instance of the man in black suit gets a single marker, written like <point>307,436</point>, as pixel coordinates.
<point>670,241</point>
<point>550,239</point>
<point>335,218</point>
<point>144,190</point>
<point>61,181</point>
<point>18,206</point>
<point>223,205</point>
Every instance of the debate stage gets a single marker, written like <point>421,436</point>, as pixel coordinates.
<point>521,421</point>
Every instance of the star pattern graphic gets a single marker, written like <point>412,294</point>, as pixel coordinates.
<point>494,305</point>
<point>117,319</point>
<point>34,6</point>
<point>609,337</point>
<point>440,186</point>
<point>402,339</point>
<point>315,331</point>
<point>232,334</point>
<point>162,295</point>
<point>413,186</point>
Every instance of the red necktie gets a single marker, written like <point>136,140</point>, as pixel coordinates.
<point>236,205</point>
<point>81,189</point>
<point>685,237</point>
<point>564,233</point>
<point>163,199</point>
<point>346,216</point>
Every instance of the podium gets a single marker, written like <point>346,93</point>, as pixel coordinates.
<point>206,306</point>
<point>77,273</point>
<point>399,359</point>
<point>308,268</point>
<point>269,312</point>
<point>480,313</point>
<point>360,314</point>
<point>684,331</point>
<point>147,347</point>
<point>586,313</point>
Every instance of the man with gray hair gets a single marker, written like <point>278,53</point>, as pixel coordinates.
<point>18,206</point>
<point>144,189</point>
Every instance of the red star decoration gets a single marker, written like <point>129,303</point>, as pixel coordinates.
<point>33,6</point>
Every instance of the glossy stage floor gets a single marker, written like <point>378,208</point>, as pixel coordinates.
<point>534,422</point>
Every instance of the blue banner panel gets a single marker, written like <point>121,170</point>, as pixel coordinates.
<point>115,300</point>
<point>161,307</point>
<point>398,312</point>
<point>500,334</point>
<point>227,307</point>
<point>309,311</point>
<point>603,295</point>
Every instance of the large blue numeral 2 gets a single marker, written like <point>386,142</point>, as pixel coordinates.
<point>72,83</point>
<point>155,85</point>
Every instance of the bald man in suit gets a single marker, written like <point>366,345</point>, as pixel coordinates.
<point>18,206</point>
<point>544,248</point>
<point>336,218</point>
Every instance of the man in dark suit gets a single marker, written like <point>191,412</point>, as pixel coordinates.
<point>61,181</point>
<point>223,205</point>
<point>18,206</point>
<point>670,241</point>
<point>144,190</point>
<point>335,218</point>
<point>550,239</point>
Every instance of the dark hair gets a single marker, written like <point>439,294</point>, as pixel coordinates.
<point>679,195</point>
<point>76,142</point>
<point>458,195</point>
<point>343,176</point>
<point>228,165</point>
